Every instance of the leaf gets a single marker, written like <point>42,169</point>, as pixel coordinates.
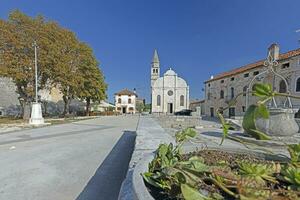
<point>250,120</point>
<point>262,90</point>
<point>190,193</point>
<point>261,112</point>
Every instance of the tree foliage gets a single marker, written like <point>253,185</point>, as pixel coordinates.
<point>63,61</point>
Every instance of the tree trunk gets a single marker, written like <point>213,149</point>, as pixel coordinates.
<point>88,106</point>
<point>67,101</point>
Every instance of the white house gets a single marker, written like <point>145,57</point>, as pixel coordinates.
<point>169,93</point>
<point>125,101</point>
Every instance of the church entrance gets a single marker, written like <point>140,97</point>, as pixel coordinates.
<point>123,110</point>
<point>170,108</point>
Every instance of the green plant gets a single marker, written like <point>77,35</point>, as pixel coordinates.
<point>292,175</point>
<point>257,172</point>
<point>294,150</point>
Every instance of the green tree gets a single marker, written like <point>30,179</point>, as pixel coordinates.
<point>92,88</point>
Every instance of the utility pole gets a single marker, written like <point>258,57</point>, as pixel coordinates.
<point>36,110</point>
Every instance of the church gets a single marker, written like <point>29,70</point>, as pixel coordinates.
<point>169,93</point>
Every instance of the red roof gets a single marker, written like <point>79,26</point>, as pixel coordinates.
<point>257,64</point>
<point>126,92</point>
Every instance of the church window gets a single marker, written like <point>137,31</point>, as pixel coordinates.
<point>221,94</point>
<point>158,100</point>
<point>119,100</point>
<point>153,70</point>
<point>181,100</point>
<point>282,87</point>
<point>170,92</point>
<point>129,100</point>
<point>298,85</point>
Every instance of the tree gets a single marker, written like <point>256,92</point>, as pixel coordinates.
<point>17,36</point>
<point>64,62</point>
<point>92,88</point>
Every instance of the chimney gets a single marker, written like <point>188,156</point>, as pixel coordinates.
<point>274,51</point>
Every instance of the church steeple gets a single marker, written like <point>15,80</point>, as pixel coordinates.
<point>155,68</point>
<point>155,57</point>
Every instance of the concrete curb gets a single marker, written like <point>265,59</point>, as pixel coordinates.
<point>149,135</point>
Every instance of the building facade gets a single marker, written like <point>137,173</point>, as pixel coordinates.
<point>125,101</point>
<point>219,90</point>
<point>169,93</point>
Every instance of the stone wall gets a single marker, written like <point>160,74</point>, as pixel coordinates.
<point>172,121</point>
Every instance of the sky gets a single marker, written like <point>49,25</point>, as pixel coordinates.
<point>196,38</point>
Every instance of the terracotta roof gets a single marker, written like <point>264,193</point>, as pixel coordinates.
<point>253,65</point>
<point>125,92</point>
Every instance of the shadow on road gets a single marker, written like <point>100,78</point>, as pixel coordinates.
<point>107,180</point>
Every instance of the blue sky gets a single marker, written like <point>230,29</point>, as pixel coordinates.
<point>197,38</point>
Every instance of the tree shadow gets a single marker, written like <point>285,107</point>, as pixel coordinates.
<point>107,180</point>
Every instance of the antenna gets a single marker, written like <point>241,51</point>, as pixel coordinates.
<point>298,31</point>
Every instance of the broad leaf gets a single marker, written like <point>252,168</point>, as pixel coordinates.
<point>249,122</point>
<point>190,193</point>
<point>262,90</point>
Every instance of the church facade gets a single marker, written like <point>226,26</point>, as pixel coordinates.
<point>169,93</point>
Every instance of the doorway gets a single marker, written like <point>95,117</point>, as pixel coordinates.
<point>212,112</point>
<point>123,110</point>
<point>170,108</point>
<point>231,112</point>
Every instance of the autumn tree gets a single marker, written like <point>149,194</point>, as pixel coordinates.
<point>63,61</point>
<point>17,36</point>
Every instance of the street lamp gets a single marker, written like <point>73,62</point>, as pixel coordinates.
<point>36,110</point>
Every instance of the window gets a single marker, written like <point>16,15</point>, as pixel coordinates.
<point>208,96</point>
<point>285,65</point>
<point>221,110</point>
<point>246,75</point>
<point>119,100</point>
<point>298,85</point>
<point>221,94</point>
<point>153,70</point>
<point>131,108</point>
<point>255,73</point>
<point>244,90</point>
<point>129,100</point>
<point>232,79</point>
<point>170,92</point>
<point>1,113</point>
<point>222,81</point>
<point>244,108</point>
<point>181,100</point>
<point>118,108</point>
<point>158,100</point>
<point>282,87</point>
<point>232,92</point>
<point>209,85</point>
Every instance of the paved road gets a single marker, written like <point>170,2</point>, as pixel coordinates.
<point>66,161</point>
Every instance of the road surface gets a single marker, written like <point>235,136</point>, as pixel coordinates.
<point>80,160</point>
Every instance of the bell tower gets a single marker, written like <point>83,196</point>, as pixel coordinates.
<point>155,69</point>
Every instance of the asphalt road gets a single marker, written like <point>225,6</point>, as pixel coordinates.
<point>85,160</point>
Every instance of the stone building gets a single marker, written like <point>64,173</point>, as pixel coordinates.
<point>169,93</point>
<point>125,101</point>
<point>9,99</point>
<point>220,89</point>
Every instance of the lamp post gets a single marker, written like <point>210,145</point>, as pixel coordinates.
<point>36,111</point>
